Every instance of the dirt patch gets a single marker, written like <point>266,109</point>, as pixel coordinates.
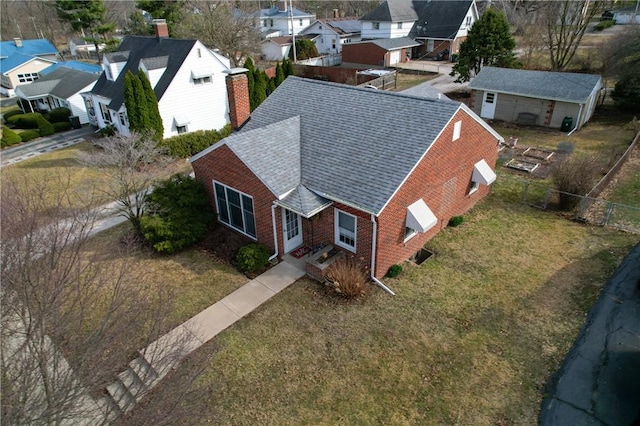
<point>222,244</point>
<point>530,154</point>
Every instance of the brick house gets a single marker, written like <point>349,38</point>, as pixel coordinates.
<point>385,52</point>
<point>373,173</point>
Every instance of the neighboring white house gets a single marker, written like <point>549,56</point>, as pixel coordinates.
<point>59,88</point>
<point>331,33</point>
<point>187,77</point>
<point>440,26</point>
<point>627,15</point>
<point>281,20</point>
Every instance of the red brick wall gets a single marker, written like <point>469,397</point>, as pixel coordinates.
<point>224,166</point>
<point>238,93</point>
<point>363,53</point>
<point>442,180</point>
<point>320,230</point>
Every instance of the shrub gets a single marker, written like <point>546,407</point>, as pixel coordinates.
<point>179,214</point>
<point>9,137</point>
<point>44,127</point>
<point>11,113</point>
<point>456,221</point>
<point>576,175</point>
<point>602,25</point>
<point>188,144</point>
<point>59,115</point>
<point>305,49</point>
<point>107,131</point>
<point>61,126</point>
<point>25,121</point>
<point>347,278</point>
<point>626,93</point>
<point>394,271</point>
<point>252,258</point>
<point>28,135</point>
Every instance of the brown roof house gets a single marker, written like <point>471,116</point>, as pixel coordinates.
<point>365,172</point>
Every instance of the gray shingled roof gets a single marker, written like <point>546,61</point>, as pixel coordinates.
<point>304,202</point>
<point>559,86</point>
<point>439,19</point>
<point>343,26</point>
<point>392,11</point>
<point>425,90</point>
<point>62,83</point>
<point>132,50</point>
<point>394,43</point>
<point>156,62</point>
<point>272,153</point>
<point>356,145</point>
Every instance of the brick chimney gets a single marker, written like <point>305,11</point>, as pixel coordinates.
<point>18,41</point>
<point>160,27</point>
<point>238,94</point>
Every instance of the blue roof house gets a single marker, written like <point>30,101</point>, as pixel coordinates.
<point>22,60</point>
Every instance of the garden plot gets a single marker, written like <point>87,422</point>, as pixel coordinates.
<point>522,165</point>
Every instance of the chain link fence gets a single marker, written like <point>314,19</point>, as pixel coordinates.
<point>582,208</point>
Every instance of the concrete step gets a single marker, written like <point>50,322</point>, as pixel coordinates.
<point>121,396</point>
<point>109,408</point>
<point>133,383</point>
<point>145,372</point>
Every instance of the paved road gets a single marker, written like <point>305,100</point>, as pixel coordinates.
<point>39,146</point>
<point>599,381</point>
<point>444,82</point>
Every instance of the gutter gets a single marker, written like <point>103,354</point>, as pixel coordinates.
<point>373,258</point>
<point>275,231</point>
<point>577,121</point>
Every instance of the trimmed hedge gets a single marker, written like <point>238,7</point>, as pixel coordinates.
<point>9,137</point>
<point>252,258</point>
<point>44,127</point>
<point>25,121</point>
<point>602,25</point>
<point>62,126</point>
<point>58,115</point>
<point>11,113</point>
<point>456,221</point>
<point>188,144</point>
<point>28,135</point>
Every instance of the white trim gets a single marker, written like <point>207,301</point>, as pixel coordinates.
<point>482,173</point>
<point>253,210</point>
<point>181,120</point>
<point>336,223</point>
<point>457,129</point>
<point>480,121</point>
<point>420,217</point>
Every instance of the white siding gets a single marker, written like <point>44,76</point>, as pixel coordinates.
<point>205,105</point>
<point>386,30</point>
<point>76,105</point>
<point>274,51</point>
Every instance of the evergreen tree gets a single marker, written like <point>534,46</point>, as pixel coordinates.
<point>251,83</point>
<point>287,67</point>
<point>155,120</point>
<point>260,90</point>
<point>279,74</point>
<point>142,123</point>
<point>248,64</point>
<point>489,43</point>
<point>169,10</point>
<point>271,86</point>
<point>133,112</point>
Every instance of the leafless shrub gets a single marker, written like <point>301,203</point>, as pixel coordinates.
<point>576,175</point>
<point>347,278</point>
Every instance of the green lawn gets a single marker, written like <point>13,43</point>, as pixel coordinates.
<point>472,336</point>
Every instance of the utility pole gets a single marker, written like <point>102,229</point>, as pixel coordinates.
<point>293,33</point>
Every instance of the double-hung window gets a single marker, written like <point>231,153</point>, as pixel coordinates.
<point>235,209</point>
<point>345,230</point>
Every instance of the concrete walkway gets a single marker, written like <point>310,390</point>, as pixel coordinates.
<point>163,355</point>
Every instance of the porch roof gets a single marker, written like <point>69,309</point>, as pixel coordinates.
<point>304,202</point>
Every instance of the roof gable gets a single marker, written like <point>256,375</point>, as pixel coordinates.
<point>392,11</point>
<point>560,86</point>
<point>132,50</point>
<point>17,59</point>
<point>62,83</point>
<point>439,19</point>
<point>366,129</point>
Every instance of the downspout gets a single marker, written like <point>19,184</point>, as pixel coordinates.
<point>577,121</point>
<point>275,231</point>
<point>373,258</point>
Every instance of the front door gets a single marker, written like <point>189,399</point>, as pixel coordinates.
<point>489,105</point>
<point>291,229</point>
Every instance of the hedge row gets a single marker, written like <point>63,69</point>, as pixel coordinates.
<point>9,137</point>
<point>188,144</point>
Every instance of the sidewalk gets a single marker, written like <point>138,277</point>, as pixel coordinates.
<point>163,355</point>
<point>39,146</point>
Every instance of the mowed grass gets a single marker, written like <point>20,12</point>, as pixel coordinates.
<point>192,279</point>
<point>62,171</point>
<point>471,338</point>
<point>407,80</point>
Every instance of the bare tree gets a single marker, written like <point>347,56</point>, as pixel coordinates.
<point>566,23</point>
<point>221,26</point>
<point>131,165</point>
<point>74,314</point>
<point>32,20</point>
